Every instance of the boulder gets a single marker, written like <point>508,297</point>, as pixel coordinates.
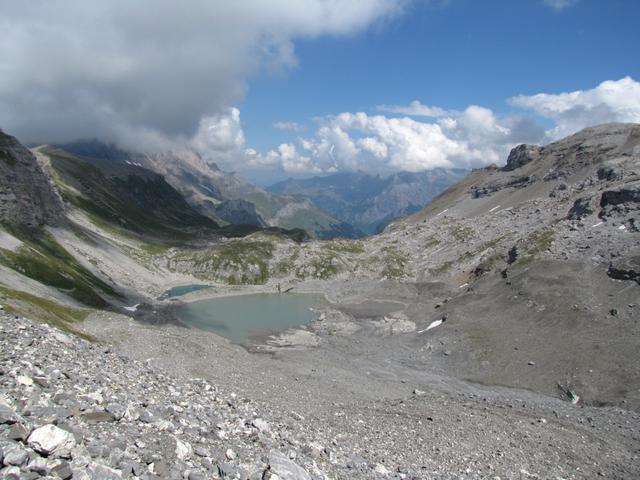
<point>284,468</point>
<point>7,414</point>
<point>51,439</point>
<point>521,155</point>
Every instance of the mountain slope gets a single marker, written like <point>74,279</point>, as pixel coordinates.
<point>225,195</point>
<point>370,202</point>
<point>530,272</point>
<point>125,195</point>
<point>26,196</point>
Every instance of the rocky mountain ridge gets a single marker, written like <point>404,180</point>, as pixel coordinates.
<point>26,196</point>
<point>223,196</point>
<point>371,202</point>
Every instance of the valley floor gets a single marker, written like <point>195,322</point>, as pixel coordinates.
<point>361,403</point>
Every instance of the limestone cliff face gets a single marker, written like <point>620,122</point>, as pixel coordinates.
<point>26,196</point>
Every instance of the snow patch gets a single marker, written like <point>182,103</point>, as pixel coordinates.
<point>432,325</point>
<point>133,308</point>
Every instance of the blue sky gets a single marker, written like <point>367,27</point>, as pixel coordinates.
<point>451,54</point>
<point>374,85</point>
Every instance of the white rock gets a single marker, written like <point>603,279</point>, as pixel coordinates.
<point>381,470</point>
<point>24,380</point>
<point>230,454</point>
<point>51,439</point>
<point>284,468</point>
<point>61,337</point>
<point>261,425</point>
<point>183,450</point>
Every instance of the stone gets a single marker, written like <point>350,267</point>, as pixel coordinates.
<point>115,409</point>
<point>194,475</point>
<point>261,425</point>
<point>381,470</point>
<point>230,454</point>
<point>581,208</point>
<point>62,470</point>
<point>7,414</point>
<point>11,473</point>
<point>39,465</point>
<point>184,451</point>
<point>98,471</point>
<point>520,156</point>
<point>98,417</point>
<point>18,431</point>
<point>227,470</point>
<point>51,439</point>
<point>14,454</point>
<point>284,468</point>
<point>24,380</point>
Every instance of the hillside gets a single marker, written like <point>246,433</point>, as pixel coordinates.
<point>509,305</point>
<point>26,196</point>
<point>371,202</point>
<point>224,197</point>
<point>124,195</point>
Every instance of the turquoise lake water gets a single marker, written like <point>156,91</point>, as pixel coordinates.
<point>183,290</point>
<point>242,317</point>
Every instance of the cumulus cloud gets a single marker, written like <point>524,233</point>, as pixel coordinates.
<point>219,133</point>
<point>289,126</point>
<point>414,109</point>
<point>473,137</point>
<point>151,68</point>
<point>351,141</point>
<point>560,4</point>
<point>611,101</point>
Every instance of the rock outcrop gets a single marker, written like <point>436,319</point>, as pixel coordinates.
<point>521,155</point>
<point>26,196</point>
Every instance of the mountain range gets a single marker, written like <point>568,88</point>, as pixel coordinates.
<point>371,202</point>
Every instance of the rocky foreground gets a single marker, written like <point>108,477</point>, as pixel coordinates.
<point>76,409</point>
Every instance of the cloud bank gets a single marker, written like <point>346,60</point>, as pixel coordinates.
<point>471,138</point>
<point>151,69</point>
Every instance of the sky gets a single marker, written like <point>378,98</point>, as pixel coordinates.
<point>279,88</point>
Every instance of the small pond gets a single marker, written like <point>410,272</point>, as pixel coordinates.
<point>242,317</point>
<point>183,290</point>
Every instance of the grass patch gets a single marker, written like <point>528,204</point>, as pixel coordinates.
<point>462,233</point>
<point>394,263</point>
<point>286,266</point>
<point>431,242</point>
<point>443,268</point>
<point>43,310</point>
<point>323,266</point>
<point>344,246</point>
<point>540,241</point>
<point>155,249</point>
<point>46,261</point>
<point>247,262</point>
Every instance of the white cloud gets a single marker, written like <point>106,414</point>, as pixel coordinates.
<point>219,133</point>
<point>560,4</point>
<point>473,137</point>
<point>118,68</point>
<point>352,141</point>
<point>290,126</point>
<point>611,101</point>
<point>414,109</point>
